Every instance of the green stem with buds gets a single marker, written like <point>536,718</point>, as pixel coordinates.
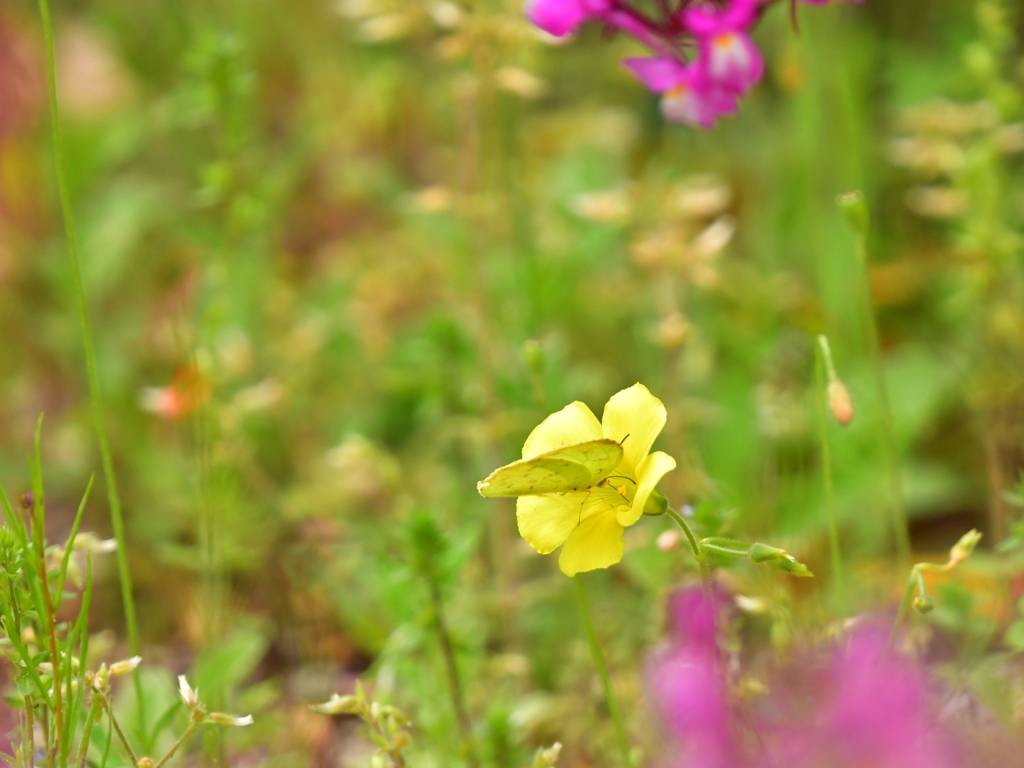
<point>116,517</point>
<point>823,363</point>
<point>602,671</point>
<point>854,207</point>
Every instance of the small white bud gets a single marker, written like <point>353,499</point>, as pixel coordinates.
<point>90,542</point>
<point>339,705</point>
<point>126,666</point>
<point>220,718</point>
<point>189,696</point>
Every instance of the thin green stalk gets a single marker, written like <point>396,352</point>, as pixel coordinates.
<point>193,726</point>
<point>908,596</point>
<point>110,740</point>
<point>602,671</point>
<point>81,629</point>
<point>70,546</point>
<point>49,617</point>
<point>110,480</point>
<point>83,747</point>
<point>28,744</point>
<point>890,454</point>
<point>120,734</point>
<point>821,361</point>
<point>454,683</point>
<point>695,547</point>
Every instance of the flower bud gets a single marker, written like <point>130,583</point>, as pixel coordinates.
<point>101,678</point>
<point>924,604</point>
<point>668,540</point>
<point>762,553</point>
<point>28,500</point>
<point>188,695</point>
<point>547,758</point>
<point>145,762</point>
<point>90,542</point>
<point>963,548</point>
<point>339,705</point>
<point>656,504</point>
<point>126,666</point>
<point>855,209</point>
<point>219,718</point>
<point>400,740</point>
<point>779,559</point>
<point>533,356</point>
<point>839,402</point>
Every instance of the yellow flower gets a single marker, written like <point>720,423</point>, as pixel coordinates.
<point>588,524</point>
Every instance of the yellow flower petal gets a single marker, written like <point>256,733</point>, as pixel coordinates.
<point>575,423</point>
<point>637,416</point>
<point>546,521</point>
<point>596,543</point>
<point>649,474</point>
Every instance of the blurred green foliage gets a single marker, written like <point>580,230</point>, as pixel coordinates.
<point>342,257</point>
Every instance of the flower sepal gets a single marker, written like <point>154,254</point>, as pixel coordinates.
<point>657,504</point>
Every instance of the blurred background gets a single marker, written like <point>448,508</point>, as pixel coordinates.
<point>342,255</point>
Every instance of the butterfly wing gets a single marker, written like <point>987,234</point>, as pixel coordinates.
<point>601,457</point>
<point>571,468</point>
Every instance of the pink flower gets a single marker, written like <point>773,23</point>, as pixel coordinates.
<point>727,54</point>
<point>563,17</point>
<point>687,95</point>
<point>876,708</point>
<point>859,705</point>
<point>689,688</point>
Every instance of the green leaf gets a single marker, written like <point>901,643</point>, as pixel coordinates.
<point>226,666</point>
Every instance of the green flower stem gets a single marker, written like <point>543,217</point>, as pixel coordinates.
<point>28,741</point>
<point>90,721</point>
<point>698,551</point>
<point>900,531</point>
<point>193,726</point>
<point>821,362</point>
<point>116,518</point>
<point>908,596</point>
<point>452,669</point>
<point>120,734</point>
<point>602,671</point>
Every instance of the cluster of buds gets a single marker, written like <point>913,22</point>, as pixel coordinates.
<point>198,713</point>
<point>762,554</point>
<point>703,61</point>
<point>99,680</point>
<point>388,726</point>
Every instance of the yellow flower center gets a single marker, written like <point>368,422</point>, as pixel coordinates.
<point>724,40</point>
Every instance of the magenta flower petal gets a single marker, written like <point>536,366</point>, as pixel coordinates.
<point>557,17</point>
<point>698,105</point>
<point>732,61</point>
<point>658,73</point>
<point>688,686</point>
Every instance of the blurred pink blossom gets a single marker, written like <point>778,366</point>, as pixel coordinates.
<point>858,705</point>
